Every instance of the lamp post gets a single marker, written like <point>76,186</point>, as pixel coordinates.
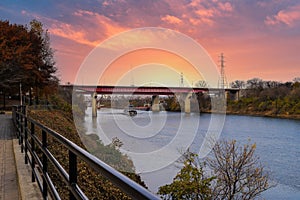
<point>21,102</point>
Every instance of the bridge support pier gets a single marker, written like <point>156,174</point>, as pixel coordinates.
<point>237,95</point>
<point>155,103</point>
<point>233,95</point>
<point>94,104</point>
<point>187,103</point>
<point>226,93</point>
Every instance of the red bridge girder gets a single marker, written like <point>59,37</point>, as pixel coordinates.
<point>144,90</point>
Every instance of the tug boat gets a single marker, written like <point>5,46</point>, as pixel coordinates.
<point>130,111</point>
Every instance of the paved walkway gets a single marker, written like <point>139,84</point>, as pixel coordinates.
<point>15,176</point>
<point>9,187</point>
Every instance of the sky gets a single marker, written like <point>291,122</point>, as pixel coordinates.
<point>258,38</point>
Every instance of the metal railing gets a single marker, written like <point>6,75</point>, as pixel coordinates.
<point>32,147</point>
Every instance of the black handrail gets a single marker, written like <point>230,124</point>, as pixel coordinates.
<point>41,175</point>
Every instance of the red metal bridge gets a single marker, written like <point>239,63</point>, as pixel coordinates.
<point>145,90</point>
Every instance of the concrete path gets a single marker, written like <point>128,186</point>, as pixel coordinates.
<point>15,176</point>
<point>9,187</point>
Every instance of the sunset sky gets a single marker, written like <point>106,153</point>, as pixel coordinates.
<point>258,38</point>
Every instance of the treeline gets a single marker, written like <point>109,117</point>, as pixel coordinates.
<point>257,97</point>
<point>26,60</point>
<point>269,98</point>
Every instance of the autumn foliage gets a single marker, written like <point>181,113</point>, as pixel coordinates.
<point>26,58</point>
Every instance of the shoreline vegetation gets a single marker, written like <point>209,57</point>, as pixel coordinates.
<point>93,184</point>
<point>270,115</point>
<point>257,114</point>
<point>257,98</point>
<point>267,99</point>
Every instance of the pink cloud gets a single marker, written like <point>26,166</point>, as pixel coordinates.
<point>225,6</point>
<point>107,26</point>
<point>100,27</point>
<point>267,4</point>
<point>105,3</point>
<point>171,19</point>
<point>90,28</point>
<point>70,32</point>
<point>206,12</point>
<point>287,16</point>
<point>64,30</point>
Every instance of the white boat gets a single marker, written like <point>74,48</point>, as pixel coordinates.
<point>130,111</point>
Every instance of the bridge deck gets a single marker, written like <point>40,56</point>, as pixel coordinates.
<point>144,90</point>
<point>9,188</point>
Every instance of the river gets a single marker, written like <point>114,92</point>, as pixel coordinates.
<point>154,140</point>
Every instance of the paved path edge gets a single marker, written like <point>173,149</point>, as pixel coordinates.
<point>28,190</point>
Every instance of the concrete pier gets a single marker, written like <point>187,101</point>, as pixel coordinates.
<point>94,104</point>
<point>187,102</point>
<point>155,103</point>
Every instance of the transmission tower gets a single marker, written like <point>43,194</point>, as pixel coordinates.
<point>181,80</point>
<point>222,81</point>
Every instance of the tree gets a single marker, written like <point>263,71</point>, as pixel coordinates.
<point>238,84</point>
<point>13,46</point>
<point>235,174</point>
<point>202,84</point>
<point>190,182</point>
<point>255,83</point>
<point>238,171</point>
<point>44,66</point>
<point>296,83</point>
<point>254,87</point>
<point>26,57</point>
<point>297,79</point>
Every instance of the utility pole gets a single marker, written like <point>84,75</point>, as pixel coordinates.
<point>223,81</point>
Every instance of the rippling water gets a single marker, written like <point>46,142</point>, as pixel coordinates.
<point>278,143</point>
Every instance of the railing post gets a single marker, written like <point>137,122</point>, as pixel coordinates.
<point>23,110</point>
<point>14,114</point>
<point>26,138</point>
<point>32,133</point>
<point>21,133</point>
<point>17,124</point>
<point>72,172</point>
<point>45,164</point>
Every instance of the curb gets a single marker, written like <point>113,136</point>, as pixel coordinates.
<point>28,190</point>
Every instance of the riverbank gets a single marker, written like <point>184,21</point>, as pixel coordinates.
<point>255,114</point>
<point>92,183</point>
<point>264,114</point>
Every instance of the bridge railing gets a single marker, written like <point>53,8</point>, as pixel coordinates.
<point>38,156</point>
